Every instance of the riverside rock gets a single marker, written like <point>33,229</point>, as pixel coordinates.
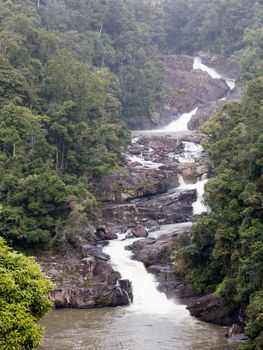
<point>139,231</point>
<point>86,283</point>
<point>156,254</point>
<point>209,309</point>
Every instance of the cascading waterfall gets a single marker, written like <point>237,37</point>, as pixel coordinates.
<point>181,124</point>
<point>146,296</point>
<point>198,206</point>
<point>152,322</point>
<point>147,299</point>
<point>212,72</point>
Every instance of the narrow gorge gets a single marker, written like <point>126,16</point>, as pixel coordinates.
<point>146,208</point>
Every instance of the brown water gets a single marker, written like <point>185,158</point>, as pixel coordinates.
<point>122,329</point>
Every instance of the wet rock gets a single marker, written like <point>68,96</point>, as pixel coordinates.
<point>139,231</point>
<point>94,251</point>
<point>87,283</point>
<point>135,149</point>
<point>192,170</point>
<point>122,293</point>
<point>155,252</point>
<point>186,90</point>
<point>123,213</point>
<point>170,166</point>
<point>81,283</point>
<point>129,235</point>
<point>104,234</point>
<point>171,207</point>
<point>101,233</point>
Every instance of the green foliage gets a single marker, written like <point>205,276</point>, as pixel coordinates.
<point>23,300</point>
<point>255,326</point>
<point>225,254</point>
<point>60,110</point>
<point>214,25</point>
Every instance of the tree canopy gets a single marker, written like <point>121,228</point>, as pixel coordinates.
<point>23,300</point>
<point>225,252</point>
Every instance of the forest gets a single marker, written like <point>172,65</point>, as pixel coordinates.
<point>74,77</point>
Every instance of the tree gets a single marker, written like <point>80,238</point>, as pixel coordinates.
<point>23,300</point>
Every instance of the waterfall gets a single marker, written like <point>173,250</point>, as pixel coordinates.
<point>198,206</point>
<point>212,72</point>
<point>181,123</point>
<point>147,299</point>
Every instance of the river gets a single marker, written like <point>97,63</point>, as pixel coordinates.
<point>151,322</point>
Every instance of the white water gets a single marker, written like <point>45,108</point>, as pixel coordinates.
<point>168,229</point>
<point>198,207</point>
<point>148,164</point>
<point>192,151</point>
<point>147,299</point>
<point>212,72</point>
<point>181,123</point>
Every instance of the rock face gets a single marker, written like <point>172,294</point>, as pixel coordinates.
<point>204,113</point>
<point>171,207</point>
<point>185,89</point>
<point>209,309</point>
<point>135,183</point>
<point>84,277</point>
<point>138,180</point>
<point>86,283</point>
<point>148,190</point>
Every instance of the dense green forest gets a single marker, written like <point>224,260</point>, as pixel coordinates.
<point>75,73</point>
<point>225,252</point>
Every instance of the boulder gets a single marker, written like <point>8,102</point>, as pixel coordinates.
<point>139,231</point>
<point>209,309</point>
<point>86,283</point>
<point>104,234</point>
<point>122,293</point>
